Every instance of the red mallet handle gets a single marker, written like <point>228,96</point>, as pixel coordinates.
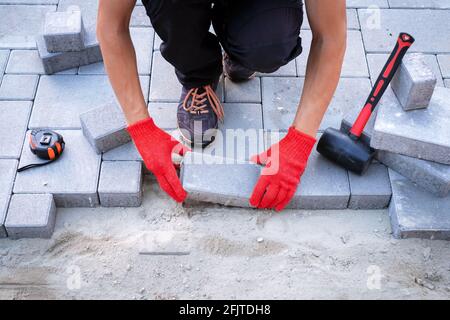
<point>404,42</point>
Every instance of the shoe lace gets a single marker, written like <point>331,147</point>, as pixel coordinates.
<point>199,101</point>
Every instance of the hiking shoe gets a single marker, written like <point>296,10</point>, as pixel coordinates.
<point>199,113</point>
<point>235,71</point>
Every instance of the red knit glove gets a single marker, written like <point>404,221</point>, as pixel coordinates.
<point>285,163</point>
<point>156,148</point>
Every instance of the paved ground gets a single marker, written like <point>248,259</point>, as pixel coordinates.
<point>233,253</point>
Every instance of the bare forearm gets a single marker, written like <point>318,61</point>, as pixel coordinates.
<point>121,65</point>
<point>322,76</point>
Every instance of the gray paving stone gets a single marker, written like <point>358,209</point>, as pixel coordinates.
<point>4,54</point>
<point>120,184</point>
<point>431,176</point>
<point>377,61</point>
<point>29,62</point>
<point>323,186</point>
<point>105,127</point>
<point>427,4</point>
<point>89,10</point>
<point>164,114</point>
<point>20,33</point>
<point>288,70</point>
<point>165,243</point>
<point>127,152</point>
<point>18,87</point>
<point>58,105</point>
<point>415,213</point>
<point>414,83</point>
<point>31,216</point>
<point>420,133</point>
<point>355,64</point>
<point>281,97</point>
<point>444,63</point>
<point>142,40</point>
<point>350,118</point>
<point>372,190</point>
<point>139,17</point>
<point>8,168</point>
<point>427,26</point>
<point>447,83</point>
<point>72,179</point>
<point>92,48</point>
<point>14,116</point>
<point>64,31</point>
<point>246,92</point>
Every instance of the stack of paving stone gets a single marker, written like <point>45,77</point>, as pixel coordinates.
<point>411,134</point>
<point>65,44</point>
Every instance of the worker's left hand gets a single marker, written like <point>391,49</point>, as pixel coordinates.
<point>284,163</point>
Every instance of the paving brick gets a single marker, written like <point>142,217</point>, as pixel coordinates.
<point>165,243</point>
<point>8,168</point>
<point>164,114</point>
<point>427,26</point>
<point>18,87</point>
<point>415,213</point>
<point>355,64</point>
<point>72,179</point>
<point>89,10</point>
<point>19,33</point>
<point>29,62</point>
<point>414,83</point>
<point>139,17</point>
<point>324,185</point>
<point>428,4</point>
<point>14,116</point>
<point>31,216</point>
<point>372,190</point>
<point>105,127</point>
<point>431,176</point>
<point>420,133</point>
<point>142,39</point>
<point>120,184</point>
<point>4,54</point>
<point>447,83</point>
<point>288,70</point>
<point>444,63</point>
<point>127,152</point>
<point>377,61</point>
<point>281,97</point>
<point>246,92</point>
<point>350,118</point>
<point>92,48</point>
<point>64,31</point>
<point>58,105</point>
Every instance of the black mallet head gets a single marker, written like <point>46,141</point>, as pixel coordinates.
<point>341,148</point>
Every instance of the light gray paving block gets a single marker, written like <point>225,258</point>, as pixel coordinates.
<point>367,3</point>
<point>14,116</point>
<point>431,176</point>
<point>377,61</point>
<point>350,118</point>
<point>20,33</point>
<point>427,26</point>
<point>89,10</point>
<point>420,4</point>
<point>288,70</point>
<point>127,152</point>
<point>29,62</point>
<point>323,186</point>
<point>245,92</point>
<point>105,127</point>
<point>241,134</point>
<point>31,216</point>
<point>420,133</point>
<point>120,184</point>
<point>164,114</point>
<point>355,64</point>
<point>64,31</point>
<point>372,190</point>
<point>281,97</point>
<point>415,213</point>
<point>72,179</point>
<point>18,87</point>
<point>58,105</point>
<point>4,54</point>
<point>447,83</point>
<point>444,63</point>
<point>414,83</point>
<point>142,40</point>
<point>92,48</point>
<point>8,168</point>
<point>165,243</point>
<point>139,17</point>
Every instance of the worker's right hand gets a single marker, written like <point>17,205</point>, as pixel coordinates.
<point>156,148</point>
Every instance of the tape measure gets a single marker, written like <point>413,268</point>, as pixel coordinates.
<point>46,145</point>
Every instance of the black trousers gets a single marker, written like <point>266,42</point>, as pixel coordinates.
<point>262,35</point>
